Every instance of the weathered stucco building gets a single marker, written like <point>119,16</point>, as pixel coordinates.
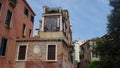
<point>87,53</point>
<point>52,47</point>
<point>16,21</point>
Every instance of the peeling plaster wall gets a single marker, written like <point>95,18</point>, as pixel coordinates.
<point>36,55</point>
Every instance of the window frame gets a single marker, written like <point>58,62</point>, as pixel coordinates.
<point>26,11</point>
<point>55,53</point>
<point>32,18</point>
<point>0,6</point>
<point>56,24</point>
<point>24,31</point>
<point>30,32</point>
<point>18,49</point>
<point>4,45</point>
<point>6,19</point>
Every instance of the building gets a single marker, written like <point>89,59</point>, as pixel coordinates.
<point>52,48</point>
<point>16,21</point>
<point>77,48</point>
<point>87,53</point>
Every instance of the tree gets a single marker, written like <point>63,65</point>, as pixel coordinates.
<point>109,47</point>
<point>94,64</point>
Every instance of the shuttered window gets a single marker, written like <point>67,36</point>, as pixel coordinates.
<point>22,52</point>
<point>26,12</point>
<point>51,52</point>
<point>32,19</point>
<point>30,33</point>
<point>0,6</point>
<point>8,18</point>
<point>24,29</point>
<point>3,47</point>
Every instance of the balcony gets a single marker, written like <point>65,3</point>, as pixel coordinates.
<point>12,3</point>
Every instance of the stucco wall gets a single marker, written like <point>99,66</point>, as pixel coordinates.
<point>37,58</point>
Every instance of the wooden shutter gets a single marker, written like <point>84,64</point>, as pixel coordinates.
<point>51,52</point>
<point>8,18</point>
<point>3,47</point>
<point>22,53</point>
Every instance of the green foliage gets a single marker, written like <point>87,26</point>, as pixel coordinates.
<point>94,64</point>
<point>109,47</point>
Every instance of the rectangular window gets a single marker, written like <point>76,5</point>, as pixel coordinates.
<point>26,12</point>
<point>30,32</point>
<point>32,19</point>
<point>24,30</point>
<point>51,24</point>
<point>3,47</point>
<point>0,6</point>
<point>8,18</point>
<point>22,52</point>
<point>51,53</point>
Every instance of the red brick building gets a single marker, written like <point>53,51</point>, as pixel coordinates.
<point>16,21</point>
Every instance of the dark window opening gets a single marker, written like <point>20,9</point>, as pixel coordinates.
<point>3,47</point>
<point>8,18</point>
<point>32,19</point>
<point>22,53</point>
<point>94,55</point>
<point>30,32</point>
<point>24,30</point>
<point>51,24</point>
<point>13,2</point>
<point>81,57</point>
<point>26,12</point>
<point>51,52</point>
<point>0,6</point>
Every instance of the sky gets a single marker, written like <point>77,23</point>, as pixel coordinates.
<point>88,17</point>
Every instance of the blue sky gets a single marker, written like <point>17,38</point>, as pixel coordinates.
<point>88,17</point>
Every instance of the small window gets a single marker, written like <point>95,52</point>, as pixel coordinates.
<point>0,6</point>
<point>12,2</point>
<point>22,52</point>
<point>51,53</point>
<point>8,18</point>
<point>26,12</point>
<point>3,47</point>
<point>32,19</point>
<point>24,30</point>
<point>30,32</point>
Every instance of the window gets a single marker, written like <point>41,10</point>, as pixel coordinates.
<point>30,32</point>
<point>51,53</point>
<point>13,2</point>
<point>26,12</point>
<point>94,55</point>
<point>81,56</point>
<point>3,47</point>
<point>24,30</point>
<point>32,19</point>
<point>8,18</point>
<point>0,6</point>
<point>51,24</point>
<point>22,52</point>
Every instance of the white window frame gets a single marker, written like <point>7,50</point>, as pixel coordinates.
<point>55,53</point>
<point>25,53</point>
